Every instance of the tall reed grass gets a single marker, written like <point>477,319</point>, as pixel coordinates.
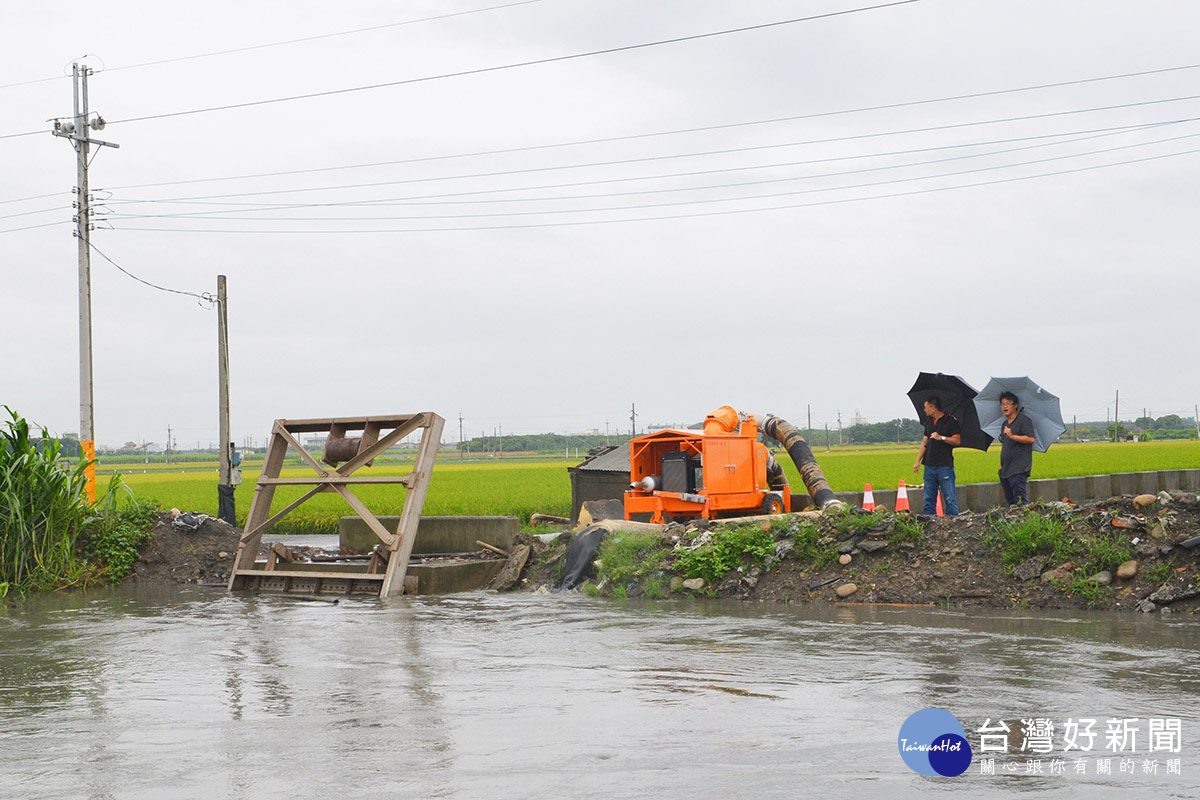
<point>43,509</point>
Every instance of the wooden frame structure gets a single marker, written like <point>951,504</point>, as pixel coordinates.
<point>394,548</point>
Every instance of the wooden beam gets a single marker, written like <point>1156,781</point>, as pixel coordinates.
<point>405,480</point>
<point>260,506</point>
<point>307,458</point>
<point>365,514</point>
<point>259,529</point>
<point>414,501</point>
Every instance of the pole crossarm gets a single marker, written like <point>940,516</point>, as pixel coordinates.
<point>356,454</point>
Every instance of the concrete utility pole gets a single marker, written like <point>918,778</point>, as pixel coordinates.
<point>460,438</point>
<point>168,444</point>
<point>606,433</point>
<point>76,131</point>
<point>810,420</point>
<point>839,427</point>
<point>632,419</point>
<point>502,441</point>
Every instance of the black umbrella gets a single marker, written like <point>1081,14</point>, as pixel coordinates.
<point>957,398</point>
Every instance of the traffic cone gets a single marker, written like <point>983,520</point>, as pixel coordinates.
<point>901,499</point>
<point>940,511</point>
<point>868,499</point>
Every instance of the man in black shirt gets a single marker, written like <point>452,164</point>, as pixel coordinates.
<point>942,433</point>
<point>1016,451</point>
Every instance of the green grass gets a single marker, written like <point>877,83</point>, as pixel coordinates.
<point>469,489</point>
<point>1028,536</point>
<point>1035,534</point>
<point>521,488</point>
<point>807,547</point>
<point>627,558</point>
<point>907,529</point>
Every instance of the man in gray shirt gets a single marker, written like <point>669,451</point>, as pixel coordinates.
<point>1016,451</point>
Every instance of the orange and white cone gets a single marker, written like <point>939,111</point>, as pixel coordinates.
<point>901,498</point>
<point>940,511</point>
<point>868,499</point>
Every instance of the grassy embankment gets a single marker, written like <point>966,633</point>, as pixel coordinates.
<point>522,488</point>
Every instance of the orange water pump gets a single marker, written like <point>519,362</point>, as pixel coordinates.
<point>720,471</point>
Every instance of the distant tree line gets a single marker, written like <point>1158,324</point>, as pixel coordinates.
<point>539,443</point>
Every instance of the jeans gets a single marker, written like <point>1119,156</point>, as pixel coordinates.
<point>1016,488</point>
<point>940,478</point>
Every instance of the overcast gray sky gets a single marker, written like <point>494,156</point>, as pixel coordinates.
<point>819,260</point>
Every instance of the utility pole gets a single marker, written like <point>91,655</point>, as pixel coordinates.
<point>1075,427</point>
<point>502,441</point>
<point>168,444</point>
<point>1196,418</point>
<point>460,438</point>
<point>606,433</point>
<point>226,507</point>
<point>826,437</point>
<point>76,131</point>
<point>632,420</point>
<point>810,420</point>
<point>839,427</point>
<point>1117,415</point>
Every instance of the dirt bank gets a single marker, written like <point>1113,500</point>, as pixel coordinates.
<point>1124,553</point>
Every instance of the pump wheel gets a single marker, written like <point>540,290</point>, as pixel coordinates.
<point>772,504</point>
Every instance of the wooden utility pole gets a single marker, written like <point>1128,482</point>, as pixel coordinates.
<point>1117,416</point>
<point>225,474</point>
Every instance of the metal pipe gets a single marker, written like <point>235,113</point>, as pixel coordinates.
<point>786,434</point>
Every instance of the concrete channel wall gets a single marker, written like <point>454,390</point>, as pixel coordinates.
<point>983,496</point>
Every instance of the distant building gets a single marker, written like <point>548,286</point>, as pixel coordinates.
<point>859,419</point>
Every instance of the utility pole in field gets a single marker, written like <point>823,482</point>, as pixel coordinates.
<point>632,420</point>
<point>226,506</point>
<point>1117,415</point>
<point>839,427</point>
<point>460,438</point>
<point>75,130</point>
<point>168,444</point>
<point>502,441</point>
<point>810,420</point>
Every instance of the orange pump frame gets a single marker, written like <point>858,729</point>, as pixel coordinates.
<point>734,467</point>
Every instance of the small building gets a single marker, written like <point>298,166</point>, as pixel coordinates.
<point>603,476</point>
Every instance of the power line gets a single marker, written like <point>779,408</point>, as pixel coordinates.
<point>726,212</point>
<point>719,199</point>
<point>672,156</point>
<point>206,297</point>
<point>31,227</point>
<point>358,203</point>
<point>517,65</point>
<point>702,129</point>
<point>691,173</point>
<point>280,43</point>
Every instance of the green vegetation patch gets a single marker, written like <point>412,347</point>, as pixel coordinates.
<point>907,529</point>
<point>808,546</point>
<point>1028,536</point>
<point>111,538</point>
<point>626,560</point>
<point>729,548</point>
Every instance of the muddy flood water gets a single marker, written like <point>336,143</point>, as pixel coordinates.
<point>193,693</point>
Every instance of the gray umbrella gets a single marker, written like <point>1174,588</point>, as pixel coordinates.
<point>1035,402</point>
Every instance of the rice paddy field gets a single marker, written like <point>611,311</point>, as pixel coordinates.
<point>520,488</point>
